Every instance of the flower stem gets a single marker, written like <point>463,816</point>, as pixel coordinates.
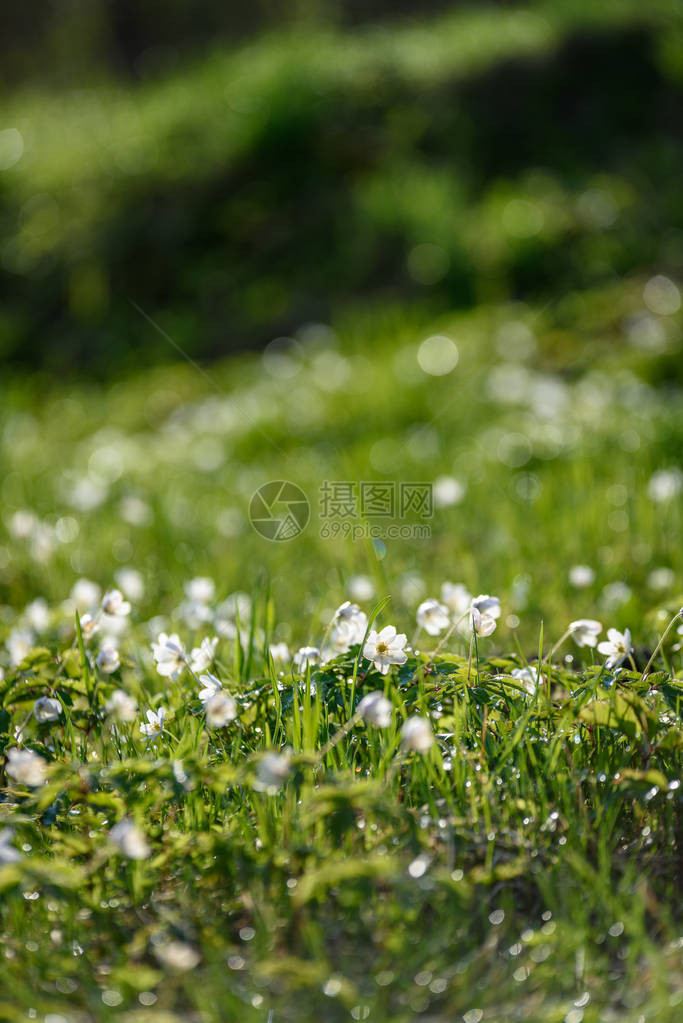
<point>679,614</point>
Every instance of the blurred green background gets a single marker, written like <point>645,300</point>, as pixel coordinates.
<point>199,180</point>
<point>238,170</point>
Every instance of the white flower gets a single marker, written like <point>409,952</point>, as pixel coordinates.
<point>417,735</point>
<point>37,614</point>
<point>661,579</point>
<point>585,631</point>
<point>487,605</point>
<point>8,854</point>
<point>131,583</point>
<point>195,614</point>
<point>665,484</point>
<point>108,660</point>
<point>385,648</point>
<point>528,678</point>
<point>154,726</point>
<point>348,629</point>
<point>306,655</point>
<point>616,647</point>
<point>26,767</point>
<point>211,686</point>
<point>447,491</point>
<point>353,619</point>
<point>122,706</point>
<point>135,512</point>
<point>89,625</point>
<point>19,644</point>
<point>272,772</point>
<point>376,709</point>
<point>481,624</point>
<point>279,651</point>
<point>130,840</point>
<point>458,600</point>
<point>23,523</point>
<point>203,655</point>
<point>616,593</point>
<point>46,709</point>
<point>220,710</point>
<point>177,956</point>
<point>113,604</point>
<point>85,594</point>
<point>200,590</point>
<point>361,587</point>
<point>581,576</point>
<point>169,653</point>
<point>432,617</point>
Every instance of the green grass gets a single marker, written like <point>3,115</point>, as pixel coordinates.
<point>526,866</point>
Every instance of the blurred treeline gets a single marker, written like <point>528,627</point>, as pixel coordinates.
<point>322,167</point>
<point>67,42</point>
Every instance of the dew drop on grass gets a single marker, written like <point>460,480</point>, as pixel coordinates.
<point>497,917</point>
<point>473,1015</point>
<point>332,987</point>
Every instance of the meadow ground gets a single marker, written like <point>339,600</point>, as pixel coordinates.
<point>521,865</point>
<point>226,792</point>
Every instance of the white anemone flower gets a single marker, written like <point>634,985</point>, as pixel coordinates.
<point>417,735</point>
<point>169,653</point>
<point>581,576</point>
<point>447,491</point>
<point>130,840</point>
<point>8,854</point>
<point>386,648</point>
<point>26,767</point>
<point>200,590</point>
<point>122,706</point>
<point>131,582</point>
<point>376,710</point>
<point>19,644</point>
<point>306,655</point>
<point>487,605</point>
<point>272,772</point>
<point>37,614</point>
<point>202,656</point>
<point>617,647</point>
<point>46,709</point>
<point>456,597</point>
<point>279,652</point>
<point>527,677</point>
<point>351,621</point>
<point>361,587</point>
<point>113,604</point>
<point>432,616</point>
<point>585,631</point>
<point>211,685</point>
<point>177,956</point>
<point>154,726</point>
<point>481,625</point>
<point>221,709</point>
<point>108,659</point>
<point>89,625</point>
<point>85,594</point>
